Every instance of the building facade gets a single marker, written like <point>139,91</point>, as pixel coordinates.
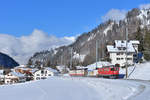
<point>43,74</point>
<point>117,52</point>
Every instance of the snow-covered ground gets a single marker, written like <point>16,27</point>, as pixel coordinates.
<point>76,88</point>
<point>83,88</point>
<point>142,71</point>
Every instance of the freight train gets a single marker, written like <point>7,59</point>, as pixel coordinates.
<point>111,71</point>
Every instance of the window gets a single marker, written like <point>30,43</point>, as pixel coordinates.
<point>118,53</point>
<point>129,58</point>
<point>38,78</point>
<point>124,48</point>
<point>121,53</point>
<point>122,58</point>
<point>37,74</point>
<point>117,69</point>
<point>49,74</point>
<point>43,78</point>
<point>107,69</point>
<point>119,48</point>
<point>42,71</point>
<point>112,69</point>
<point>129,53</point>
<point>45,72</point>
<point>101,69</point>
<point>118,58</point>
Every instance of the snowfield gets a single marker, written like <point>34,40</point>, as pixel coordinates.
<point>137,87</point>
<point>77,88</point>
<point>142,71</point>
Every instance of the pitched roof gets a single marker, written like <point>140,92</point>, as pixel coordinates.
<point>120,46</point>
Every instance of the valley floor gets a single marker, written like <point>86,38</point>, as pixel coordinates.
<point>77,88</point>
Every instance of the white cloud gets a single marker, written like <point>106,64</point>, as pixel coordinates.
<point>144,6</point>
<point>114,14</point>
<point>24,47</point>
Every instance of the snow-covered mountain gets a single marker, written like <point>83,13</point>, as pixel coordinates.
<point>85,44</point>
<point>7,62</point>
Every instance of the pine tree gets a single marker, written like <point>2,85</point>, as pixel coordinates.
<point>140,38</point>
<point>147,45</point>
<point>29,63</point>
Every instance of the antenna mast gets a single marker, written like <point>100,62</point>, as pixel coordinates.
<point>126,52</point>
<point>71,50</point>
<point>96,52</point>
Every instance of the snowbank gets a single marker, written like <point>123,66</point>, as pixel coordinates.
<point>142,71</point>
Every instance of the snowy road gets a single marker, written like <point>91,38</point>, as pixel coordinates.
<point>67,88</point>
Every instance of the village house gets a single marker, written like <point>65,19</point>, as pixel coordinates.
<point>1,77</point>
<point>117,52</point>
<point>10,78</point>
<point>43,73</point>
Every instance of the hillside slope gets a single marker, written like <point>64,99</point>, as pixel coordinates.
<point>7,62</point>
<point>84,46</point>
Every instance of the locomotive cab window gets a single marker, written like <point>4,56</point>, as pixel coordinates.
<point>117,68</point>
<point>107,69</point>
<point>112,69</point>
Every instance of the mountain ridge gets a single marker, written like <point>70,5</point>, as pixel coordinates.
<point>7,62</point>
<point>85,44</point>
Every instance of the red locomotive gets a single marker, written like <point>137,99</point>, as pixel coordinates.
<point>109,71</point>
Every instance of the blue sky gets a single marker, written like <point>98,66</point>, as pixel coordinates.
<point>57,17</point>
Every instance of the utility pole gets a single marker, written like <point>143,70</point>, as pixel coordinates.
<point>96,52</point>
<point>61,60</point>
<point>126,52</point>
<point>71,50</point>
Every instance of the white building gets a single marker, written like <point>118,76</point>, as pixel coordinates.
<point>117,52</point>
<point>10,78</point>
<point>43,73</point>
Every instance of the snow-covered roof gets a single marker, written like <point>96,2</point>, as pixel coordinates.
<point>47,68</point>
<point>24,68</point>
<point>80,67</point>
<point>1,72</point>
<point>120,46</point>
<point>34,70</point>
<point>50,69</point>
<point>100,64</point>
<point>135,42</point>
<point>61,67</point>
<point>17,74</point>
<point>20,66</point>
